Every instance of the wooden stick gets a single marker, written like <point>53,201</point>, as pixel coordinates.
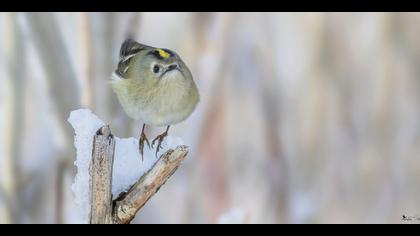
<point>100,194</point>
<point>127,204</point>
<point>123,209</point>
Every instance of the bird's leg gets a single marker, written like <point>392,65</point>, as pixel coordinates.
<point>142,139</point>
<point>160,138</point>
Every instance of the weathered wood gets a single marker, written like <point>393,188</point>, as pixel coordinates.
<point>129,203</point>
<point>103,210</point>
<point>100,192</point>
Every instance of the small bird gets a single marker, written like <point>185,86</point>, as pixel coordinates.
<point>155,86</point>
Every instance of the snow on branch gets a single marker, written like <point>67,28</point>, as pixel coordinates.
<point>108,166</point>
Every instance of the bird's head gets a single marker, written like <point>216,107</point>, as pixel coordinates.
<point>149,65</point>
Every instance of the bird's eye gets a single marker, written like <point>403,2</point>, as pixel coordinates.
<point>156,69</point>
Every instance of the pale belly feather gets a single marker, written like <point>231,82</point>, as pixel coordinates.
<point>174,103</point>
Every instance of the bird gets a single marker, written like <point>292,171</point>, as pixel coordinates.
<point>155,86</point>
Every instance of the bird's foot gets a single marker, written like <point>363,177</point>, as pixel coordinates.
<point>160,139</point>
<point>143,139</point>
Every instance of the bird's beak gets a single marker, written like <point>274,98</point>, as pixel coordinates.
<point>172,67</point>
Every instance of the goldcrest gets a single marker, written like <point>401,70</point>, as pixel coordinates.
<point>155,86</point>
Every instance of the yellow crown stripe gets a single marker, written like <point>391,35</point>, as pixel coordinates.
<point>163,53</point>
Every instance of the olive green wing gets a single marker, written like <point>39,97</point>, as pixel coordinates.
<point>129,49</point>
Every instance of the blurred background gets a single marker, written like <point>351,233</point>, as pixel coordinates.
<point>304,117</point>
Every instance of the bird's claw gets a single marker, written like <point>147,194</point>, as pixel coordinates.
<point>160,139</point>
<point>143,139</point>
